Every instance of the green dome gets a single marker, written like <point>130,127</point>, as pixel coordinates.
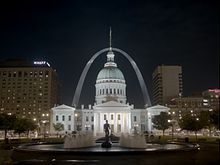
<point>110,73</point>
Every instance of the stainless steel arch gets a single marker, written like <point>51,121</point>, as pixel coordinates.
<point>77,94</point>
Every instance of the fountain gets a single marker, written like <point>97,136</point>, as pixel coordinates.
<point>132,141</point>
<point>78,141</point>
<point>81,147</point>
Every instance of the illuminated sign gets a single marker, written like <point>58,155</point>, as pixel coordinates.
<point>41,63</point>
<point>214,90</point>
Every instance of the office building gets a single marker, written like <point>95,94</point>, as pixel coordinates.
<point>167,83</point>
<point>28,89</point>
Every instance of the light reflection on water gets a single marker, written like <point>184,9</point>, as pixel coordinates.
<point>98,148</point>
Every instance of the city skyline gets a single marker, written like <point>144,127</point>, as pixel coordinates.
<point>67,34</point>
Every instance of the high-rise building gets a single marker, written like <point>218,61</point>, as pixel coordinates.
<point>167,83</point>
<point>28,89</point>
<point>213,97</point>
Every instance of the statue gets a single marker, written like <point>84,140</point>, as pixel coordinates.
<point>107,143</point>
<point>106,128</point>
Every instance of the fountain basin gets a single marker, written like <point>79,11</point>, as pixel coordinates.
<point>54,152</point>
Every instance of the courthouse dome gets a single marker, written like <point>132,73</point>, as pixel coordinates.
<point>110,73</point>
<point>110,83</point>
<point>110,70</point>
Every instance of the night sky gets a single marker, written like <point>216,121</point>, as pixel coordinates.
<point>68,33</point>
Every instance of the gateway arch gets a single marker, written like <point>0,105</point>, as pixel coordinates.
<point>78,90</point>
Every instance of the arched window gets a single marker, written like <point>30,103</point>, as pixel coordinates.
<point>112,117</point>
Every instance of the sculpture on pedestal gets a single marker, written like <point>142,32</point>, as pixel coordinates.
<point>107,143</point>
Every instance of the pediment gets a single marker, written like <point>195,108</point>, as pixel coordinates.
<point>63,106</point>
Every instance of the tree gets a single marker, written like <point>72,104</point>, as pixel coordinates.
<point>205,118</point>
<point>215,118</point>
<point>58,127</point>
<point>161,121</point>
<point>191,123</point>
<point>24,125</point>
<point>7,123</point>
<point>31,125</point>
<point>20,126</point>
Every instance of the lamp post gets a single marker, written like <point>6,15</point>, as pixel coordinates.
<point>76,121</point>
<point>44,131</point>
<point>172,124</point>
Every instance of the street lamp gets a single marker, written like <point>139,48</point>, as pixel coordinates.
<point>44,124</point>
<point>172,124</point>
<point>76,116</point>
